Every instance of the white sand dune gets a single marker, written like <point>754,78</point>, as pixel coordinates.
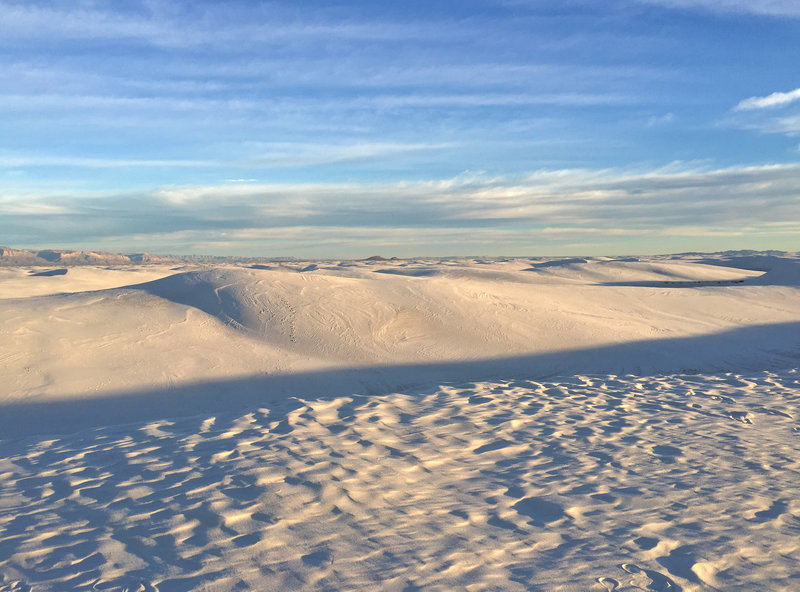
<point>27,282</point>
<point>599,424</point>
<point>221,323</point>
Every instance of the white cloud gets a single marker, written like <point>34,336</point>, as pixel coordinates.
<point>65,102</point>
<point>658,120</point>
<point>785,8</point>
<point>62,104</point>
<point>780,125</point>
<point>776,99</point>
<point>776,113</point>
<point>300,154</point>
<point>96,163</point>
<point>470,214</point>
<point>762,114</point>
<point>272,155</point>
<point>214,26</point>
<point>493,99</point>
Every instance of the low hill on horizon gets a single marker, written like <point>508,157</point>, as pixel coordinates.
<point>13,257</point>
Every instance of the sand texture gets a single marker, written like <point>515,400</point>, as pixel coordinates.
<point>602,424</point>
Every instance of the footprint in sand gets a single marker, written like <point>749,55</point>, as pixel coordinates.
<point>610,584</point>
<point>742,416</point>
<point>646,579</point>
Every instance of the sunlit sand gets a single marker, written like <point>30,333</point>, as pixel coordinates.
<point>481,424</point>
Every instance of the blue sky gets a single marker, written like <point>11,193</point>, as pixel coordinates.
<point>343,129</point>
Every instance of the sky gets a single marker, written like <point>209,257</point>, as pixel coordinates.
<point>343,129</point>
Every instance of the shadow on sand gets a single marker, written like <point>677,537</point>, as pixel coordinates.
<point>752,349</point>
<point>778,271</point>
<point>677,283</point>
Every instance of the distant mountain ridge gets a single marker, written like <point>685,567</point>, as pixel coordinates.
<point>10,257</point>
<point>13,257</point>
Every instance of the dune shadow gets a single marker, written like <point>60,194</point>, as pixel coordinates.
<point>776,271</point>
<point>49,273</point>
<point>677,283</point>
<point>556,263</point>
<point>758,348</point>
<point>195,289</point>
<point>419,272</point>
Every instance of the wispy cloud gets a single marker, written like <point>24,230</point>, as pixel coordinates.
<point>788,125</point>
<point>315,154</point>
<point>656,120</point>
<point>284,104</point>
<point>96,163</point>
<point>543,210</point>
<point>776,99</point>
<point>776,113</point>
<point>786,8</point>
<point>66,102</point>
<point>22,20</point>
<point>161,25</point>
<point>267,156</point>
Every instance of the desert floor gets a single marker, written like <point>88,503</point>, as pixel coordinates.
<point>475,424</point>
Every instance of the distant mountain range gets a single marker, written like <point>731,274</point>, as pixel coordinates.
<point>11,257</point>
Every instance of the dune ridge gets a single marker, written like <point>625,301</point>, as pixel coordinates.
<point>217,323</point>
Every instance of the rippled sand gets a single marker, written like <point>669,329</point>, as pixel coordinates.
<point>589,483</point>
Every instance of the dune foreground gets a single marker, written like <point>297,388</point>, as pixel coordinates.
<point>565,425</point>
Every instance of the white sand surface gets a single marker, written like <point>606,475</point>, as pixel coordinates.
<point>220,323</point>
<point>26,282</point>
<point>511,424</point>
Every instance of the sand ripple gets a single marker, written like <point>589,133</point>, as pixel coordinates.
<point>589,483</point>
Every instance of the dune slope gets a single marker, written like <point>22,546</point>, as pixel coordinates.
<point>221,323</point>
